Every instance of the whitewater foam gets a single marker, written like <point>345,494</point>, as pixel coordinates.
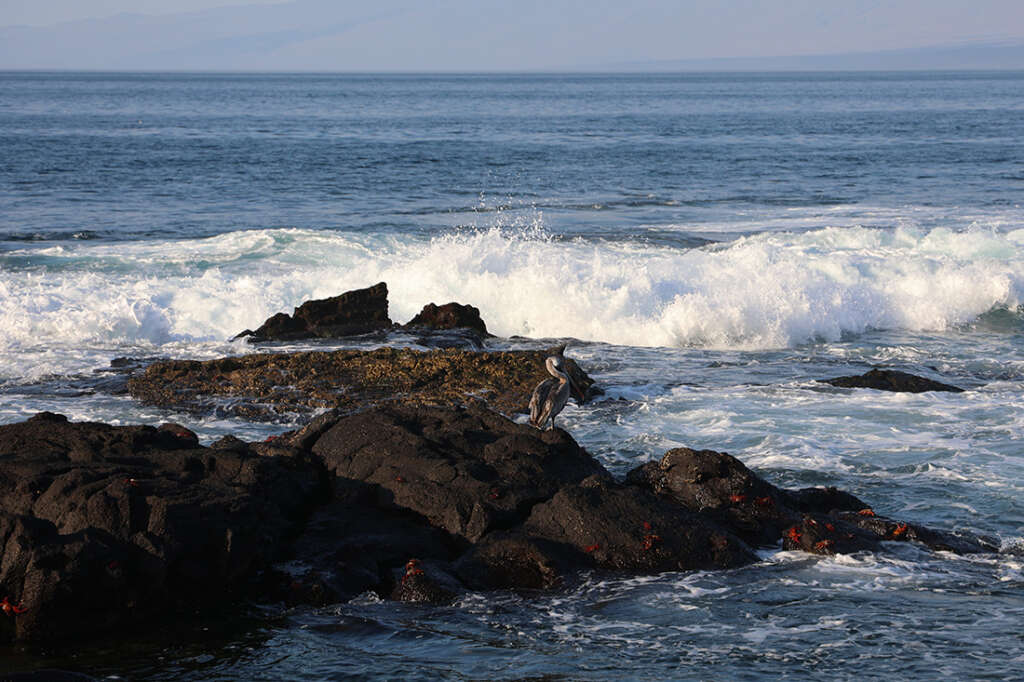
<point>769,290</point>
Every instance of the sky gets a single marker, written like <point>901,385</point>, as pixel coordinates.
<point>471,35</point>
<point>48,12</point>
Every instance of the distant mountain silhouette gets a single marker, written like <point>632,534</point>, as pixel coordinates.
<point>447,35</point>
<point>979,56</point>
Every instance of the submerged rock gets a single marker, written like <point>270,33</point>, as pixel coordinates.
<point>355,312</point>
<point>262,386</point>
<point>892,380</point>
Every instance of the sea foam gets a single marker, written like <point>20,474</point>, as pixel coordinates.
<point>770,290</point>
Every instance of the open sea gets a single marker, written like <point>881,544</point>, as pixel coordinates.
<point>710,245</point>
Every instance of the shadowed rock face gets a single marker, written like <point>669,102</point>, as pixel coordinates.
<point>355,312</point>
<point>892,380</point>
<point>275,383</point>
<point>104,526</point>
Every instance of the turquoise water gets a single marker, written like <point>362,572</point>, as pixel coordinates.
<point>711,244</point>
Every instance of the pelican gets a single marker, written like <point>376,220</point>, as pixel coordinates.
<point>551,395</point>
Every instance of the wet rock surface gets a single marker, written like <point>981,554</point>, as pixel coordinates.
<point>104,528</point>
<point>354,312</point>
<point>263,386</point>
<point>892,380</point>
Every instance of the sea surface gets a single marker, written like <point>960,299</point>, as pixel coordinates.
<point>709,244</point>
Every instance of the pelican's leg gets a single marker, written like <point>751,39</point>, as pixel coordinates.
<point>551,427</point>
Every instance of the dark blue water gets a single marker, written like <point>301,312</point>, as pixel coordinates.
<point>122,156</point>
<point>713,244</point>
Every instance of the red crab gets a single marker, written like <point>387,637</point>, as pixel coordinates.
<point>412,568</point>
<point>11,609</point>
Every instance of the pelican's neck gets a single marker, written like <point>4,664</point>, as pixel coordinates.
<point>555,372</point>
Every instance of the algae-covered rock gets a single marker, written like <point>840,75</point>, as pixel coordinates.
<point>263,385</point>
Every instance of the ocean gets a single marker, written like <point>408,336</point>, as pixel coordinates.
<point>710,246</point>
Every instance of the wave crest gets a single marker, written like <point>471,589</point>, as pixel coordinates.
<point>758,292</point>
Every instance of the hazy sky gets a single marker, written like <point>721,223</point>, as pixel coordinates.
<point>46,12</point>
<point>475,34</point>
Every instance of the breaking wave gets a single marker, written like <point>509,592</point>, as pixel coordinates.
<point>770,290</point>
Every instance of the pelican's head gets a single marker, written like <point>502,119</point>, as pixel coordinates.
<point>555,365</point>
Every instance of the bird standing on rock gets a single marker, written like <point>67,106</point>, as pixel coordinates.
<point>551,395</point>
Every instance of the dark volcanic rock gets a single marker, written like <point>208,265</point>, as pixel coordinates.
<point>355,312</point>
<point>629,528</point>
<point>466,470</point>
<point>892,380</point>
<point>719,486</point>
<point>354,543</point>
<point>513,559</point>
<point>424,581</point>
<point>449,316</point>
<point>106,527</point>
<point>883,528</point>
<point>522,507</point>
<point>827,535</point>
<point>263,385</point>
<point>103,526</point>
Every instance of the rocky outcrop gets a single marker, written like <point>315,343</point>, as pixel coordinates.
<point>817,520</point>
<point>355,312</point>
<point>451,325</point>
<point>363,311</point>
<point>467,471</point>
<point>450,316</point>
<point>892,380</point>
<point>515,507</point>
<point>626,528</point>
<point>104,527</point>
<point>263,386</point>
